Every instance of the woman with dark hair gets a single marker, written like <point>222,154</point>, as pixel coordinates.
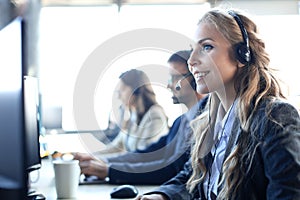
<point>147,120</point>
<point>141,94</point>
<point>247,143</point>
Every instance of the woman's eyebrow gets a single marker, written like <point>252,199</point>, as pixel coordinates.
<point>203,40</point>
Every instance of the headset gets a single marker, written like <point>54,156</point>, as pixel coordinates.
<point>242,49</point>
<point>192,82</point>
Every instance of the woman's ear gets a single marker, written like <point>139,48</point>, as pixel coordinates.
<point>239,64</point>
<point>234,57</point>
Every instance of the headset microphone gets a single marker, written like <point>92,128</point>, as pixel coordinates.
<point>178,85</point>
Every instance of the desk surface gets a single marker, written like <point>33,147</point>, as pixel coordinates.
<point>46,185</point>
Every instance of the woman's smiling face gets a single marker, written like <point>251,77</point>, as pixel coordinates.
<point>211,61</point>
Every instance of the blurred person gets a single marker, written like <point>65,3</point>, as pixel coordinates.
<point>165,158</point>
<point>117,121</point>
<point>147,120</point>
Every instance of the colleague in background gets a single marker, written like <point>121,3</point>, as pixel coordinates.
<point>247,145</point>
<point>116,122</point>
<point>165,158</point>
<point>147,119</point>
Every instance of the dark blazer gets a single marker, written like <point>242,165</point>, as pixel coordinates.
<point>159,162</point>
<point>275,170</point>
<point>127,172</point>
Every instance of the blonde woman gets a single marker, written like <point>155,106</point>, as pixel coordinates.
<point>247,143</point>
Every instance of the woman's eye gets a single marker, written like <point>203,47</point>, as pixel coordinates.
<point>207,47</point>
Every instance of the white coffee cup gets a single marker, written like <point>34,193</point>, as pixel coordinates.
<point>66,178</point>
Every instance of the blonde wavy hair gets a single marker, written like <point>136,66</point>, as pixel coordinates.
<point>253,83</point>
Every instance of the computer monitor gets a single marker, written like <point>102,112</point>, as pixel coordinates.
<point>13,175</point>
<point>32,133</point>
<point>19,117</point>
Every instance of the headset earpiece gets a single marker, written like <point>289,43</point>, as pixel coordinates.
<point>136,91</point>
<point>242,53</point>
<point>242,49</point>
<point>193,84</point>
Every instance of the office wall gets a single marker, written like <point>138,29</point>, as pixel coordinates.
<point>68,38</point>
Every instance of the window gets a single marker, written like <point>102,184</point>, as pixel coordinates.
<point>68,35</point>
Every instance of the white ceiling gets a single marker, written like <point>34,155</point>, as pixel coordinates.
<point>118,2</point>
<point>259,7</point>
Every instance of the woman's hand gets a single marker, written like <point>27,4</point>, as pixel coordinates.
<point>91,166</point>
<point>82,156</point>
<point>151,197</point>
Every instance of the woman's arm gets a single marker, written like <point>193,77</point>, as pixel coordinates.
<point>153,126</point>
<point>280,153</point>
<point>116,146</point>
<point>175,188</point>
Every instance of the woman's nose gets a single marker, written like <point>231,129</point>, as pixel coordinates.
<point>168,85</point>
<point>192,62</point>
<point>191,65</point>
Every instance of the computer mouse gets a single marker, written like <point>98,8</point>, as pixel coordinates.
<point>124,191</point>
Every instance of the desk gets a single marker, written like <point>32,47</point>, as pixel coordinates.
<point>46,185</point>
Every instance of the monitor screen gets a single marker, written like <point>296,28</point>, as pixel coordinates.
<point>13,176</point>
<point>31,111</point>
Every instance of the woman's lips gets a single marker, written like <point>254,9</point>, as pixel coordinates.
<point>200,75</point>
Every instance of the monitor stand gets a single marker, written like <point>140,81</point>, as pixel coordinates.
<point>32,195</point>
